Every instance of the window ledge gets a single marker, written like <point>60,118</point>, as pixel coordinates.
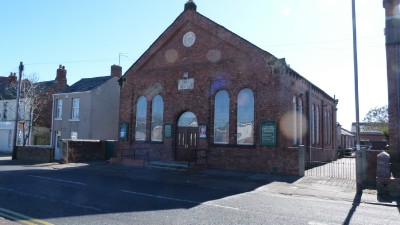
<point>77,120</point>
<point>57,118</point>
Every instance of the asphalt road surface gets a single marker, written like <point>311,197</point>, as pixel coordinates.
<point>104,195</point>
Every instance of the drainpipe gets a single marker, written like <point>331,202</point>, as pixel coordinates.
<point>310,119</point>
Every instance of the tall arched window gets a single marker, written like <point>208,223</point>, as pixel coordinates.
<point>221,118</point>
<point>329,127</point>
<point>294,108</point>
<point>157,118</point>
<point>245,117</point>
<point>313,124</point>
<point>317,128</point>
<point>300,124</point>
<point>141,110</point>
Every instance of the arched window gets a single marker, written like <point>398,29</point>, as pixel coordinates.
<point>317,128</point>
<point>329,127</point>
<point>141,110</point>
<point>313,124</point>
<point>245,117</point>
<point>157,118</point>
<point>221,118</point>
<point>294,108</point>
<point>300,123</point>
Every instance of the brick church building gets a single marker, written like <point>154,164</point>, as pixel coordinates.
<point>202,93</point>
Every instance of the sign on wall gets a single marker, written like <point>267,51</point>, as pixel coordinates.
<point>268,134</point>
<point>167,130</point>
<point>203,131</point>
<point>184,84</point>
<point>123,132</point>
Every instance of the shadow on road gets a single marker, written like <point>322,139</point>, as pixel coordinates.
<point>99,188</point>
<point>356,203</point>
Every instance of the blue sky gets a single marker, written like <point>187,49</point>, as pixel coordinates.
<point>315,37</point>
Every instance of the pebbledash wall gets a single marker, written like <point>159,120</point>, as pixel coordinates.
<point>194,59</point>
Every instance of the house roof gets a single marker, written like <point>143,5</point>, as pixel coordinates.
<point>86,84</point>
<point>364,128</point>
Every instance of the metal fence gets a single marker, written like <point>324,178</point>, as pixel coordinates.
<point>326,163</point>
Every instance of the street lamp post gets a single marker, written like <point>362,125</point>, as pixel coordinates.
<point>14,151</point>
<point>358,150</point>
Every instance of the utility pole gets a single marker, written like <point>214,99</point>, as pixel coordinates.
<point>358,150</point>
<point>14,152</point>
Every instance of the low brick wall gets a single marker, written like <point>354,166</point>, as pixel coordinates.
<point>40,154</point>
<point>82,151</point>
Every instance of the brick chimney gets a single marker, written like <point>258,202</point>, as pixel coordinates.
<point>61,74</point>
<point>190,5</point>
<point>116,71</point>
<point>12,78</point>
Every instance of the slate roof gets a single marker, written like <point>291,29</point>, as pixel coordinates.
<point>86,84</point>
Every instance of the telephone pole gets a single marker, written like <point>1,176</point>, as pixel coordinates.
<point>14,151</point>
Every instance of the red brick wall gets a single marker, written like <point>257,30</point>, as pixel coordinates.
<point>84,151</point>
<point>240,65</point>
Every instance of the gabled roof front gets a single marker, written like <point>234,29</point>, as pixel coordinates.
<point>86,84</point>
<point>190,16</point>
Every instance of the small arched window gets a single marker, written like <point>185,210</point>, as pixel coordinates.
<point>141,114</point>
<point>313,124</point>
<point>317,128</point>
<point>221,118</point>
<point>157,109</point>
<point>245,117</point>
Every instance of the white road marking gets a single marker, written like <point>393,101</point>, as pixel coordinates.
<point>60,180</point>
<point>320,223</point>
<point>181,200</point>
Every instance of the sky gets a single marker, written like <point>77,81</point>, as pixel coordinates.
<point>314,36</point>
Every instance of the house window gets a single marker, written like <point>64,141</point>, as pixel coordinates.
<point>245,117</point>
<point>5,106</point>
<point>74,135</point>
<point>221,118</point>
<point>157,118</point>
<point>75,108</point>
<point>141,110</point>
<point>59,108</point>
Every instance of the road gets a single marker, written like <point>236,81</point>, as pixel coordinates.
<point>104,195</point>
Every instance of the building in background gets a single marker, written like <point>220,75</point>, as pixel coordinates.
<point>87,110</point>
<point>34,120</point>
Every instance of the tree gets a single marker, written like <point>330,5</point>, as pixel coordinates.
<point>31,103</point>
<point>377,119</point>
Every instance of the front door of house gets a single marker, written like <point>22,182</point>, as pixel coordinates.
<point>186,137</point>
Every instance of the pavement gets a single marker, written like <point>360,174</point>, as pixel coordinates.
<point>307,186</point>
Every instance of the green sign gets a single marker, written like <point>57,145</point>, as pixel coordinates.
<point>123,132</point>
<point>268,134</point>
<point>167,130</point>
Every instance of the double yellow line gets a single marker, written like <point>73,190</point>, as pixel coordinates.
<point>20,218</point>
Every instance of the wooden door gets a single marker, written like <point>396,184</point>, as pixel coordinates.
<point>187,141</point>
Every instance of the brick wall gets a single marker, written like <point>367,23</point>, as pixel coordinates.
<point>83,151</point>
<point>219,60</point>
<point>34,153</point>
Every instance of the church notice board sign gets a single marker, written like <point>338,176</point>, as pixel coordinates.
<point>268,134</point>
